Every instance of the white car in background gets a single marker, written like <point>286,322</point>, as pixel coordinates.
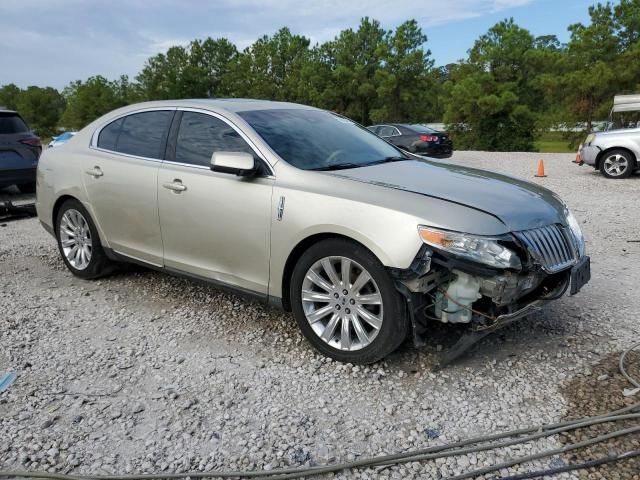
<point>616,153</point>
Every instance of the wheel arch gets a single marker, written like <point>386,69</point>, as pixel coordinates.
<point>58,204</point>
<point>606,151</point>
<point>56,208</point>
<point>297,252</point>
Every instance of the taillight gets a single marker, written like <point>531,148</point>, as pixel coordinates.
<point>429,138</point>
<point>34,142</point>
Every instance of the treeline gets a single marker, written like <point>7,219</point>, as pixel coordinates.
<point>511,86</point>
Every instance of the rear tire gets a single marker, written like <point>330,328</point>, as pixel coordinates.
<point>617,164</point>
<point>79,243</point>
<point>359,319</point>
<point>27,187</point>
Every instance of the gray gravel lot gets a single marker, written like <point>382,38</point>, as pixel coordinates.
<point>144,372</point>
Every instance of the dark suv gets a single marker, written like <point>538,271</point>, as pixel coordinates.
<point>20,149</point>
<point>416,138</point>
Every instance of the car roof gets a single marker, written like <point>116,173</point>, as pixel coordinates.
<point>6,110</point>
<point>228,104</point>
<point>406,125</point>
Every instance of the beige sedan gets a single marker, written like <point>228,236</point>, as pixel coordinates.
<point>310,212</point>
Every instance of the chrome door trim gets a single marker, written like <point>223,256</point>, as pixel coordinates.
<point>127,155</point>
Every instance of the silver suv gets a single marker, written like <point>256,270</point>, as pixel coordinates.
<point>616,153</point>
<point>305,209</point>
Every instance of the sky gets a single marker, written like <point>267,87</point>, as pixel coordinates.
<point>53,42</point>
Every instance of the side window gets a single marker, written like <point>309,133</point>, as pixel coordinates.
<point>109,135</point>
<point>386,131</point>
<point>200,135</point>
<point>141,134</point>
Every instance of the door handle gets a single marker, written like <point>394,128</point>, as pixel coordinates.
<point>175,186</point>
<point>95,172</point>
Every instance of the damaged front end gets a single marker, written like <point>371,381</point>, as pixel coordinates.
<point>488,283</point>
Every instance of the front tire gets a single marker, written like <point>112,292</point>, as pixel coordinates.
<point>617,164</point>
<point>345,303</point>
<point>79,243</point>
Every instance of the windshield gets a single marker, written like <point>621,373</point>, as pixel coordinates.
<point>319,140</point>
<point>624,120</point>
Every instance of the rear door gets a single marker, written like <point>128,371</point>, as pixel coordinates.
<point>214,225</point>
<point>121,178</point>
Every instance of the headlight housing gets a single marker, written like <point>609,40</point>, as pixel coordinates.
<point>485,250</point>
<point>590,138</point>
<point>574,226</point>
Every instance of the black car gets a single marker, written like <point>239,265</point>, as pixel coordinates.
<point>416,138</point>
<point>20,149</point>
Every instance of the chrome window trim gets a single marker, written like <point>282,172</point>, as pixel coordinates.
<point>127,155</point>
<point>94,137</point>
<point>204,167</point>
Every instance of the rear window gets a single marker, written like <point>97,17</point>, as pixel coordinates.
<point>419,128</point>
<point>12,123</point>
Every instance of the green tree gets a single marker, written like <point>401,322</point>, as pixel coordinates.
<point>195,71</point>
<point>41,108</point>
<point>591,79</point>
<point>92,98</point>
<point>9,96</point>
<point>627,20</point>
<point>402,80</point>
<point>270,68</point>
<point>487,107</point>
<point>354,58</point>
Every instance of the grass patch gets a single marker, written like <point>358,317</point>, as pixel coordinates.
<point>552,142</point>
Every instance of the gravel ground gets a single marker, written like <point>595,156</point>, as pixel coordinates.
<point>144,372</point>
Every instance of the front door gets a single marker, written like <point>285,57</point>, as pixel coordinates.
<point>214,225</point>
<point>121,178</point>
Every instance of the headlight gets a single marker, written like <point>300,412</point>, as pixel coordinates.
<point>572,221</point>
<point>479,249</point>
<point>590,138</point>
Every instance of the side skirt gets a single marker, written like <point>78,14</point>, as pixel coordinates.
<point>242,292</point>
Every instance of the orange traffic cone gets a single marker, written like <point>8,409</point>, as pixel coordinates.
<point>540,169</point>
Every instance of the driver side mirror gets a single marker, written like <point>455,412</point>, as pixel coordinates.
<point>236,163</point>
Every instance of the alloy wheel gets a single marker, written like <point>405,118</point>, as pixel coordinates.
<point>616,165</point>
<point>342,303</point>
<point>75,239</point>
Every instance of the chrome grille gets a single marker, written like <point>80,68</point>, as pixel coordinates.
<point>550,246</point>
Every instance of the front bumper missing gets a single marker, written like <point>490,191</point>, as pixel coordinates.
<point>506,297</point>
<point>475,334</point>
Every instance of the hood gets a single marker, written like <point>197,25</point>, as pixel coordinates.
<point>519,204</point>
